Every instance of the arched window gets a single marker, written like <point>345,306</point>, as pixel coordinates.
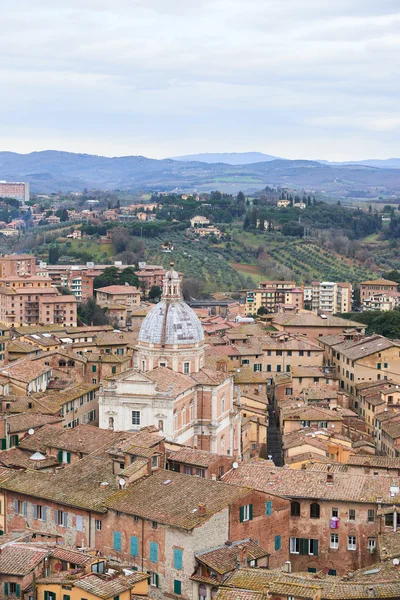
<point>111,422</point>
<point>295,509</point>
<point>314,510</point>
<point>202,592</point>
<point>214,591</point>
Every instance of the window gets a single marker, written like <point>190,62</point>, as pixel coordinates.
<point>117,545</point>
<point>14,589</point>
<point>305,423</point>
<point>113,370</point>
<point>277,542</point>
<point>334,541</point>
<point>371,544</point>
<point>94,368</point>
<point>178,555</point>
<point>294,545</point>
<point>98,524</point>
<point>278,368</point>
<point>295,509</point>
<point>335,512</point>
<point>134,546</point>
<point>186,368</point>
<point>64,457</point>
<point>245,361</point>
<point>268,508</point>
<point>371,515</point>
<point>378,366</point>
<point>313,547</point>
<point>257,367</point>
<point>269,368</point>
<point>154,524</point>
<point>79,523</point>
<point>303,546</point>
<point>154,579</point>
<point>246,513</point>
<point>66,597</point>
<point>202,592</point>
<point>39,512</point>
<point>289,391</point>
<point>61,518</point>
<point>136,417</point>
<point>385,365</point>
<point>332,572</point>
<point>352,514</point>
<point>154,552</point>
<point>200,472</point>
<point>323,425</point>
<point>279,353</point>
<point>177,587</point>
<point>314,510</point>
<point>351,542</point>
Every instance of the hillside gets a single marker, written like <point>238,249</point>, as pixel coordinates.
<point>51,171</point>
<point>229,158</point>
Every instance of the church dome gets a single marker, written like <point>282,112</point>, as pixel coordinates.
<point>171,321</point>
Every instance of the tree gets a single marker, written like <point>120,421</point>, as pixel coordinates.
<point>62,213</point>
<point>191,288</point>
<point>129,276</point>
<point>110,276</point>
<point>91,313</point>
<point>54,255</point>
<point>155,292</point>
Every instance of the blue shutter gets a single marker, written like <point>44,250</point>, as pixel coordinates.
<point>268,508</point>
<point>64,519</point>
<point>35,511</point>
<point>177,558</point>
<point>134,546</point>
<point>56,516</point>
<point>277,542</point>
<point>154,552</point>
<point>44,513</point>
<point>25,509</point>
<point>117,541</point>
<point>16,507</point>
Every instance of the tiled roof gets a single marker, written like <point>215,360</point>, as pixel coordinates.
<point>105,588</point>
<point>25,370</point>
<point>72,556</point>
<point>226,594</point>
<point>77,485</point>
<point>192,456</point>
<point>24,421</point>
<point>119,289</point>
<point>17,458</point>
<point>374,461</point>
<point>20,559</point>
<point>167,380</point>
<point>249,376</point>
<point>311,413</point>
<point>392,429</point>
<point>297,439</point>
<point>225,558</point>
<point>309,319</point>
<point>17,346</point>
<point>365,347</point>
<point>172,498</point>
<point>379,282</point>
<point>292,483</point>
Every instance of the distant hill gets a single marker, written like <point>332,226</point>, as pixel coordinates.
<point>229,158</point>
<point>53,171</point>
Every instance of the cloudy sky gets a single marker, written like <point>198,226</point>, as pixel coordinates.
<point>299,79</point>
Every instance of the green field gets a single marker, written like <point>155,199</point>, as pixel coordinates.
<point>95,249</point>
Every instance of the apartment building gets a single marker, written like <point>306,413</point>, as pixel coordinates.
<point>328,297</point>
<point>314,326</point>
<point>15,189</point>
<point>361,359</point>
<point>17,265</point>
<point>381,301</point>
<point>79,282</point>
<point>272,295</point>
<point>368,288</point>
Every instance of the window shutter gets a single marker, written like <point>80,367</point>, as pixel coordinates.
<point>25,508</point>
<point>66,597</point>
<point>56,520</point>
<point>154,552</point>
<point>6,589</point>
<point>157,580</point>
<point>250,512</point>
<point>68,457</point>
<point>177,587</point>
<point>64,519</point>
<point>315,548</point>
<point>303,546</point>
<point>277,542</point>
<point>241,514</point>
<point>16,507</point>
<point>134,546</point>
<point>17,590</point>
<point>44,513</point>
<point>117,541</point>
<point>35,511</point>
<point>268,508</point>
<point>16,440</point>
<point>177,559</point>
<point>59,456</point>
<point>79,523</point>
<point>4,443</point>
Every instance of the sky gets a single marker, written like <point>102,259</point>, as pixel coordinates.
<point>316,79</point>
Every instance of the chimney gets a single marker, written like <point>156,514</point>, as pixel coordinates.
<point>329,478</point>
<point>201,510</point>
<point>228,543</point>
<point>287,567</point>
<point>243,556</point>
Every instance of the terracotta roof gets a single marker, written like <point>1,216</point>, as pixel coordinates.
<point>72,556</point>
<point>392,429</point>
<point>25,370</point>
<point>22,422</point>
<point>20,559</point>
<point>77,485</point>
<point>119,289</point>
<point>172,498</point>
<point>224,559</point>
<point>192,456</point>
<point>365,347</point>
<point>105,588</point>
<point>311,413</point>
<point>386,462</point>
<point>292,483</point>
<point>16,458</point>
<point>379,282</point>
<point>226,594</point>
<point>309,319</point>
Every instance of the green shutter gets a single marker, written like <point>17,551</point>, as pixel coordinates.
<point>68,457</point>
<point>158,580</point>
<point>66,597</point>
<point>6,590</point>
<point>134,546</point>
<point>268,508</point>
<point>250,512</point>
<point>241,514</point>
<point>94,368</point>
<point>4,443</point>
<point>16,440</point>
<point>177,587</point>
<point>59,456</point>
<point>315,548</point>
<point>17,590</point>
<point>303,546</point>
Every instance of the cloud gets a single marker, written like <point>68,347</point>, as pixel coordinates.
<point>166,78</point>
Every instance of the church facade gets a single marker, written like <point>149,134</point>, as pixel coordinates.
<point>170,388</point>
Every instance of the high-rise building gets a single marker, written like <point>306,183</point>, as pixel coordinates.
<point>15,189</point>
